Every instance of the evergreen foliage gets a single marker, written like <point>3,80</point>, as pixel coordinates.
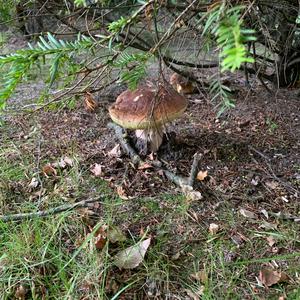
<point>222,23</point>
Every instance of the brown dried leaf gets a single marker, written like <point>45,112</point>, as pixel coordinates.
<point>195,294</point>
<point>48,170</point>
<point>267,225</point>
<point>115,234</point>
<point>271,241</point>
<point>201,175</point>
<point>90,103</point>
<point>97,170</point>
<point>69,161</point>
<point>101,237</point>
<point>33,183</point>
<point>121,192</point>
<point>272,184</point>
<point>269,277</point>
<point>190,194</point>
<point>145,166</point>
<point>200,276</point>
<point>21,292</point>
<point>64,162</point>
<point>213,228</point>
<point>247,214</point>
<point>115,151</point>
<point>100,242</point>
<point>131,257</point>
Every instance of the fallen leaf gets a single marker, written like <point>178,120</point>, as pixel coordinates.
<point>271,241</point>
<point>201,175</point>
<point>267,225</point>
<point>176,255</point>
<point>247,214</point>
<point>64,162</point>
<point>21,292</point>
<point>195,294</point>
<point>100,237</point>
<point>131,257</point>
<point>97,170</point>
<point>89,102</point>
<point>145,166</point>
<point>265,213</point>
<point>272,184</point>
<point>255,181</point>
<point>69,161</point>
<point>213,228</point>
<point>200,276</point>
<point>48,170</point>
<point>115,151</point>
<point>193,196</point>
<point>33,183</point>
<point>115,234</point>
<point>269,277</point>
<point>121,192</point>
<point>190,193</point>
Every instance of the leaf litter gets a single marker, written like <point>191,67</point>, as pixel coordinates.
<point>132,256</point>
<point>228,162</point>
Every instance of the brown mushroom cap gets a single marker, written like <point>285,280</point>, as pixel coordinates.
<point>182,84</point>
<point>147,107</point>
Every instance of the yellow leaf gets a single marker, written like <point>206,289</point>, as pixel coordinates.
<point>201,175</point>
<point>89,102</point>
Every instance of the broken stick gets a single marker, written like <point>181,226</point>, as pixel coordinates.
<point>52,211</point>
<point>177,179</point>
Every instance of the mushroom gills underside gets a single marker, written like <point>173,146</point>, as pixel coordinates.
<point>149,139</point>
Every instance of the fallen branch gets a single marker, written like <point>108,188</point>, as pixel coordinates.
<point>284,216</point>
<point>272,174</point>
<point>52,211</point>
<point>194,169</point>
<point>177,179</point>
<point>123,139</point>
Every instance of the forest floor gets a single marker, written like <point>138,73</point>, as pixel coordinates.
<point>240,241</point>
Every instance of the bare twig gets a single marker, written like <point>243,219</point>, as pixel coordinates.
<point>284,216</point>
<point>52,211</point>
<point>177,179</point>
<point>194,168</point>
<point>122,138</point>
<point>271,172</point>
<point>136,159</point>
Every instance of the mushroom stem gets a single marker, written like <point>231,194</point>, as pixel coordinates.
<point>155,138</point>
<point>152,135</point>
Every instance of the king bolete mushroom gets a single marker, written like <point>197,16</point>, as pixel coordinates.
<point>146,110</point>
<point>182,84</point>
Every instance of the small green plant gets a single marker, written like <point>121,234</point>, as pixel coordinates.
<point>118,25</point>
<point>272,125</point>
<point>3,38</point>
